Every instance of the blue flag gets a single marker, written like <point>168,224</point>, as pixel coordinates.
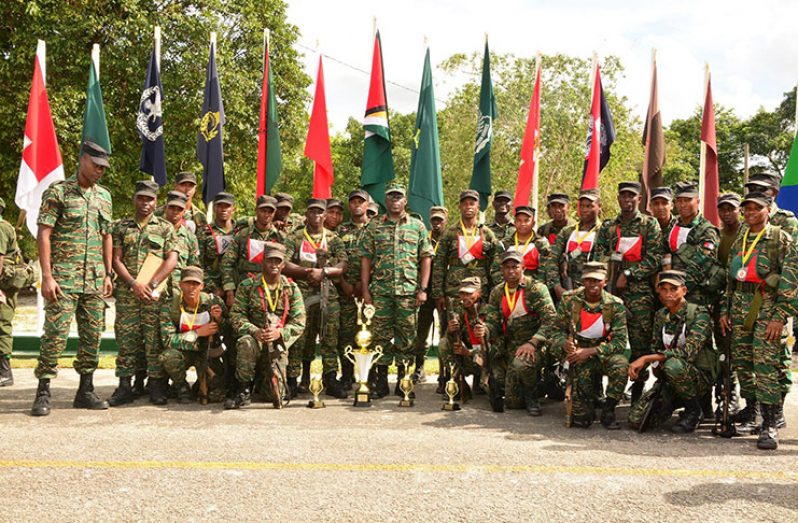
<point>210,152</point>
<point>149,124</point>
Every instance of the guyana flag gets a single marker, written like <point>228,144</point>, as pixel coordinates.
<point>377,155</point>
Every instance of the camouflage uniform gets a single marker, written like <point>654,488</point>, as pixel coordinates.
<point>449,267</point>
<point>213,243</point>
<point>784,219</point>
<point>350,234</point>
<point>464,364</point>
<point>508,330</point>
<point>395,249</point>
<point>693,250</point>
<point>12,262</point>
<point>187,254</point>
<point>426,313</point>
<point>550,231</point>
<point>502,231</point>
<point>79,218</point>
<point>195,219</point>
<point>244,258</point>
<point>538,255</point>
<point>137,322</point>
<point>564,247</point>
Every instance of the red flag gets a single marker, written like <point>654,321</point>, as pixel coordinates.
<point>262,126</point>
<point>41,158</point>
<point>593,153</point>
<point>709,181</point>
<point>317,145</point>
<point>653,141</point>
<point>530,151</point>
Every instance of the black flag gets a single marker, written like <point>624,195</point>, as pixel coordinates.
<point>149,124</point>
<point>210,152</point>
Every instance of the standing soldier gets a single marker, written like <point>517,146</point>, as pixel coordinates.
<point>661,203</point>
<point>535,249</point>
<point>14,275</point>
<point>214,240</point>
<point>516,311</point>
<point>349,288</point>
<point>138,304</point>
<point>268,317</point>
<point>284,219</point>
<point>632,244</point>
<point>315,256</point>
<point>186,241</point>
<point>396,258</point>
<point>335,214</point>
<point>760,297</point>
<point>769,183</point>
<point>373,210</point>
<point>502,225</point>
<point>75,246</point>
<point>186,183</point>
<point>558,207</point>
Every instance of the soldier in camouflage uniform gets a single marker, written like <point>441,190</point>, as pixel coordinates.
<point>661,204</point>
<point>769,183</point>
<point>683,358</point>
<point>138,304</point>
<point>573,246</point>
<point>349,285</point>
<point>186,241</point>
<point>284,219</point>
<point>14,275</point>
<point>516,310</point>
<point>74,241</point>
<point>395,266</point>
<point>373,210</point>
<point>760,297</point>
<point>186,183</point>
<point>590,333</point>
<point>315,256</point>
<point>264,348</point>
<point>214,239</point>
<point>192,323</point>
<point>502,225</point>
<point>334,214</point>
<point>631,244</point>
<point>558,207</point>
<point>538,263</point>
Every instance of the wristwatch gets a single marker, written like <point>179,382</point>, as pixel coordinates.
<point>627,272</point>
<point>154,284</point>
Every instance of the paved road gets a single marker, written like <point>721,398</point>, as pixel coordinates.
<point>193,463</point>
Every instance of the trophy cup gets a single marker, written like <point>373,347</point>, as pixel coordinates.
<point>451,391</point>
<point>406,386</point>
<point>315,388</point>
<point>362,358</point>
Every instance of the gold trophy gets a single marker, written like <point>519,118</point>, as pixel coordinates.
<point>362,358</point>
<point>315,388</point>
<point>406,386</point>
<point>451,390</point>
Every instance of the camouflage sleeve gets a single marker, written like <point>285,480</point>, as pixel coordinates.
<point>603,245</point>
<point>496,263</point>
<point>705,257</point>
<point>540,301</point>
<point>549,269</point>
<point>731,283</point>
<point>106,212</point>
<point>652,242</point>
<point>366,244</point>
<point>50,209</point>
<point>338,252</point>
<point>656,331</point>
<point>441,265</point>
<point>425,249</point>
<point>490,252</point>
<point>697,334</point>
<point>557,251</point>
<point>170,243</point>
<point>118,234</point>
<point>493,313</point>
<point>230,260</point>
<point>193,250</point>
<point>239,316</point>
<point>5,239</point>
<point>787,293</point>
<point>619,336</point>
<point>167,323</point>
<point>291,246</point>
<point>226,324</point>
<point>555,332</point>
<point>295,323</point>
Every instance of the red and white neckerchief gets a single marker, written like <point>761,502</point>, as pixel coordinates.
<point>529,251</point>
<point>475,342</point>
<point>630,247</point>
<point>308,248</point>
<point>469,246</point>
<point>591,325</point>
<point>579,243</point>
<point>678,236</point>
<point>193,321</point>
<point>222,241</point>
<point>255,250</point>
<point>513,306</point>
<point>667,339</point>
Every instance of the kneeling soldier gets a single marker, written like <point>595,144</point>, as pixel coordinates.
<point>269,314</point>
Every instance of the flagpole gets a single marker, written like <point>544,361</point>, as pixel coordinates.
<point>702,168</point>
<point>41,53</point>
<point>157,44</point>
<point>95,58</point>
<point>796,110</point>
<point>209,214</point>
<point>644,176</point>
<point>535,185</point>
<point>746,153</point>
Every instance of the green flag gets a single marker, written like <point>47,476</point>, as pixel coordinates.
<point>480,179</point>
<point>95,127</point>
<point>426,185</point>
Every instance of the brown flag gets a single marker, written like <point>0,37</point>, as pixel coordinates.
<point>653,141</point>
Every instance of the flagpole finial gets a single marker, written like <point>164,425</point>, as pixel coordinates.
<point>157,44</point>
<point>374,26</point>
<point>653,55</point>
<point>486,38</point>
<point>41,52</point>
<point>213,38</point>
<point>266,36</point>
<point>426,42</point>
<point>95,58</point>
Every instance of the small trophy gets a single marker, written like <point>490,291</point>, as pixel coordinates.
<point>406,386</point>
<point>315,388</point>
<point>451,391</point>
<point>362,358</point>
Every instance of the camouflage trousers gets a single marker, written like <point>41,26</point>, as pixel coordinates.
<point>514,375</point>
<point>7,311</point>
<point>89,310</point>
<point>466,364</point>
<point>176,362</point>
<point>347,324</point>
<point>255,360</point>
<point>684,381</point>
<point>426,320</point>
<point>305,347</point>
<point>583,392</point>
<point>137,335</point>
<point>395,320</point>
<point>640,307</point>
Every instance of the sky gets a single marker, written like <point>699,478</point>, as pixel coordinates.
<point>749,46</point>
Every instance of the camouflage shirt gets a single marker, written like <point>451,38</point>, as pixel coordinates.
<point>79,218</point>
<point>502,231</point>
<point>187,253</point>
<point>300,251</point>
<point>156,236</point>
<point>784,219</point>
<point>576,247</point>
<point>538,262</point>
<point>637,240</point>
<point>351,234</point>
<point>244,257</point>
<point>251,305</point>
<point>694,336</point>
<point>395,249</point>
<point>175,322</point>
<point>457,260</point>
<point>518,322</point>
<point>9,248</point>
<point>213,243</point>
<point>694,248</point>
<point>194,218</point>
<point>550,230</point>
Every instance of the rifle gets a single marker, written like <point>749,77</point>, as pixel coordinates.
<point>569,380</point>
<point>451,315</point>
<point>206,373</point>
<point>483,353</point>
<point>275,372</point>
<point>616,269</point>
<point>659,385</point>
<point>565,278</point>
<point>724,427</point>
<point>324,294</point>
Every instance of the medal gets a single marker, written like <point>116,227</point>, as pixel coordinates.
<point>190,336</point>
<point>741,274</point>
<point>616,257</point>
<point>576,253</point>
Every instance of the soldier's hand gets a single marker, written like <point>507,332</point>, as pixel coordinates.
<point>271,334</point>
<point>216,313</point>
<point>774,330</point>
<point>725,325</point>
<point>208,329</point>
<point>229,298</point>
<point>570,346</point>
<point>579,356</point>
<point>454,325</point>
<point>461,349</point>
<point>480,330</point>
<point>260,335</point>
<point>526,352</point>
<point>635,368</point>
<point>108,286</point>
<point>559,290</point>
<point>141,291</point>
<point>50,289</point>
<point>367,297</point>
<point>316,275</point>
<point>621,282</point>
<point>421,298</point>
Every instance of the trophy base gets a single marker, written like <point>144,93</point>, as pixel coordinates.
<point>450,406</point>
<point>316,404</point>
<point>406,403</point>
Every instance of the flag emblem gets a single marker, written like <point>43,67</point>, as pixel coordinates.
<point>209,125</point>
<point>150,111</point>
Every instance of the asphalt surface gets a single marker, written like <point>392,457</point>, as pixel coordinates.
<point>195,463</point>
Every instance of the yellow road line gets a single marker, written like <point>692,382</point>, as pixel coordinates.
<point>408,467</point>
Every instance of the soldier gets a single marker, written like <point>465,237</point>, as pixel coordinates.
<point>591,334</point>
<point>263,345</point>
<point>373,210</point>
<point>192,323</point>
<point>14,275</point>
<point>395,264</point>
<point>760,297</point>
<point>682,357</point>
<point>284,219</point>
<point>138,304</point>
<point>632,244</point>
<point>558,207</point>
<point>516,311</point>
<point>335,214</point>
<point>661,204</point>
<point>74,241</point>
<point>186,183</point>
<point>214,239</point>
<point>315,256</point>
<point>187,247</point>
<point>351,233</point>
<point>769,183</point>
<point>502,225</point>
<point>538,263</point>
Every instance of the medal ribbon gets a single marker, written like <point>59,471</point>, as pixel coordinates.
<point>510,301</point>
<point>526,243</point>
<point>580,239</point>
<point>272,304</point>
<point>747,255</point>
<point>194,318</point>
<point>472,236</point>
<point>312,243</point>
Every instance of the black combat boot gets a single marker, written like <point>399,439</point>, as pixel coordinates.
<point>123,393</point>
<point>41,405</point>
<point>400,373</point>
<point>293,388</point>
<point>598,389</point>
<point>183,392</point>
<point>332,387</point>
<point>781,422</point>
<point>418,373</point>
<point>305,382</point>
<point>347,374</point>
<point>86,398</point>
<point>443,376</point>
<point>637,390</point>
<point>746,419</point>
<point>139,389</point>
<point>768,433</point>
<point>608,420</point>
<point>381,388</point>
<point>531,402</point>
<point>244,395</point>
<point>691,418</point>
<point>6,376</point>
<point>158,391</point>
<point>496,395</point>
<point>706,406</point>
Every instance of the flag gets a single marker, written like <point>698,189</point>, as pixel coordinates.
<point>41,159</point>
<point>653,142</point>
<point>597,151</point>
<point>377,155</point>
<point>270,161</point>
<point>149,124</point>
<point>708,182</point>
<point>788,194</point>
<point>210,151</point>
<point>480,177</point>
<point>530,151</point>
<point>426,185</point>
<point>317,145</point>
<point>95,127</point>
